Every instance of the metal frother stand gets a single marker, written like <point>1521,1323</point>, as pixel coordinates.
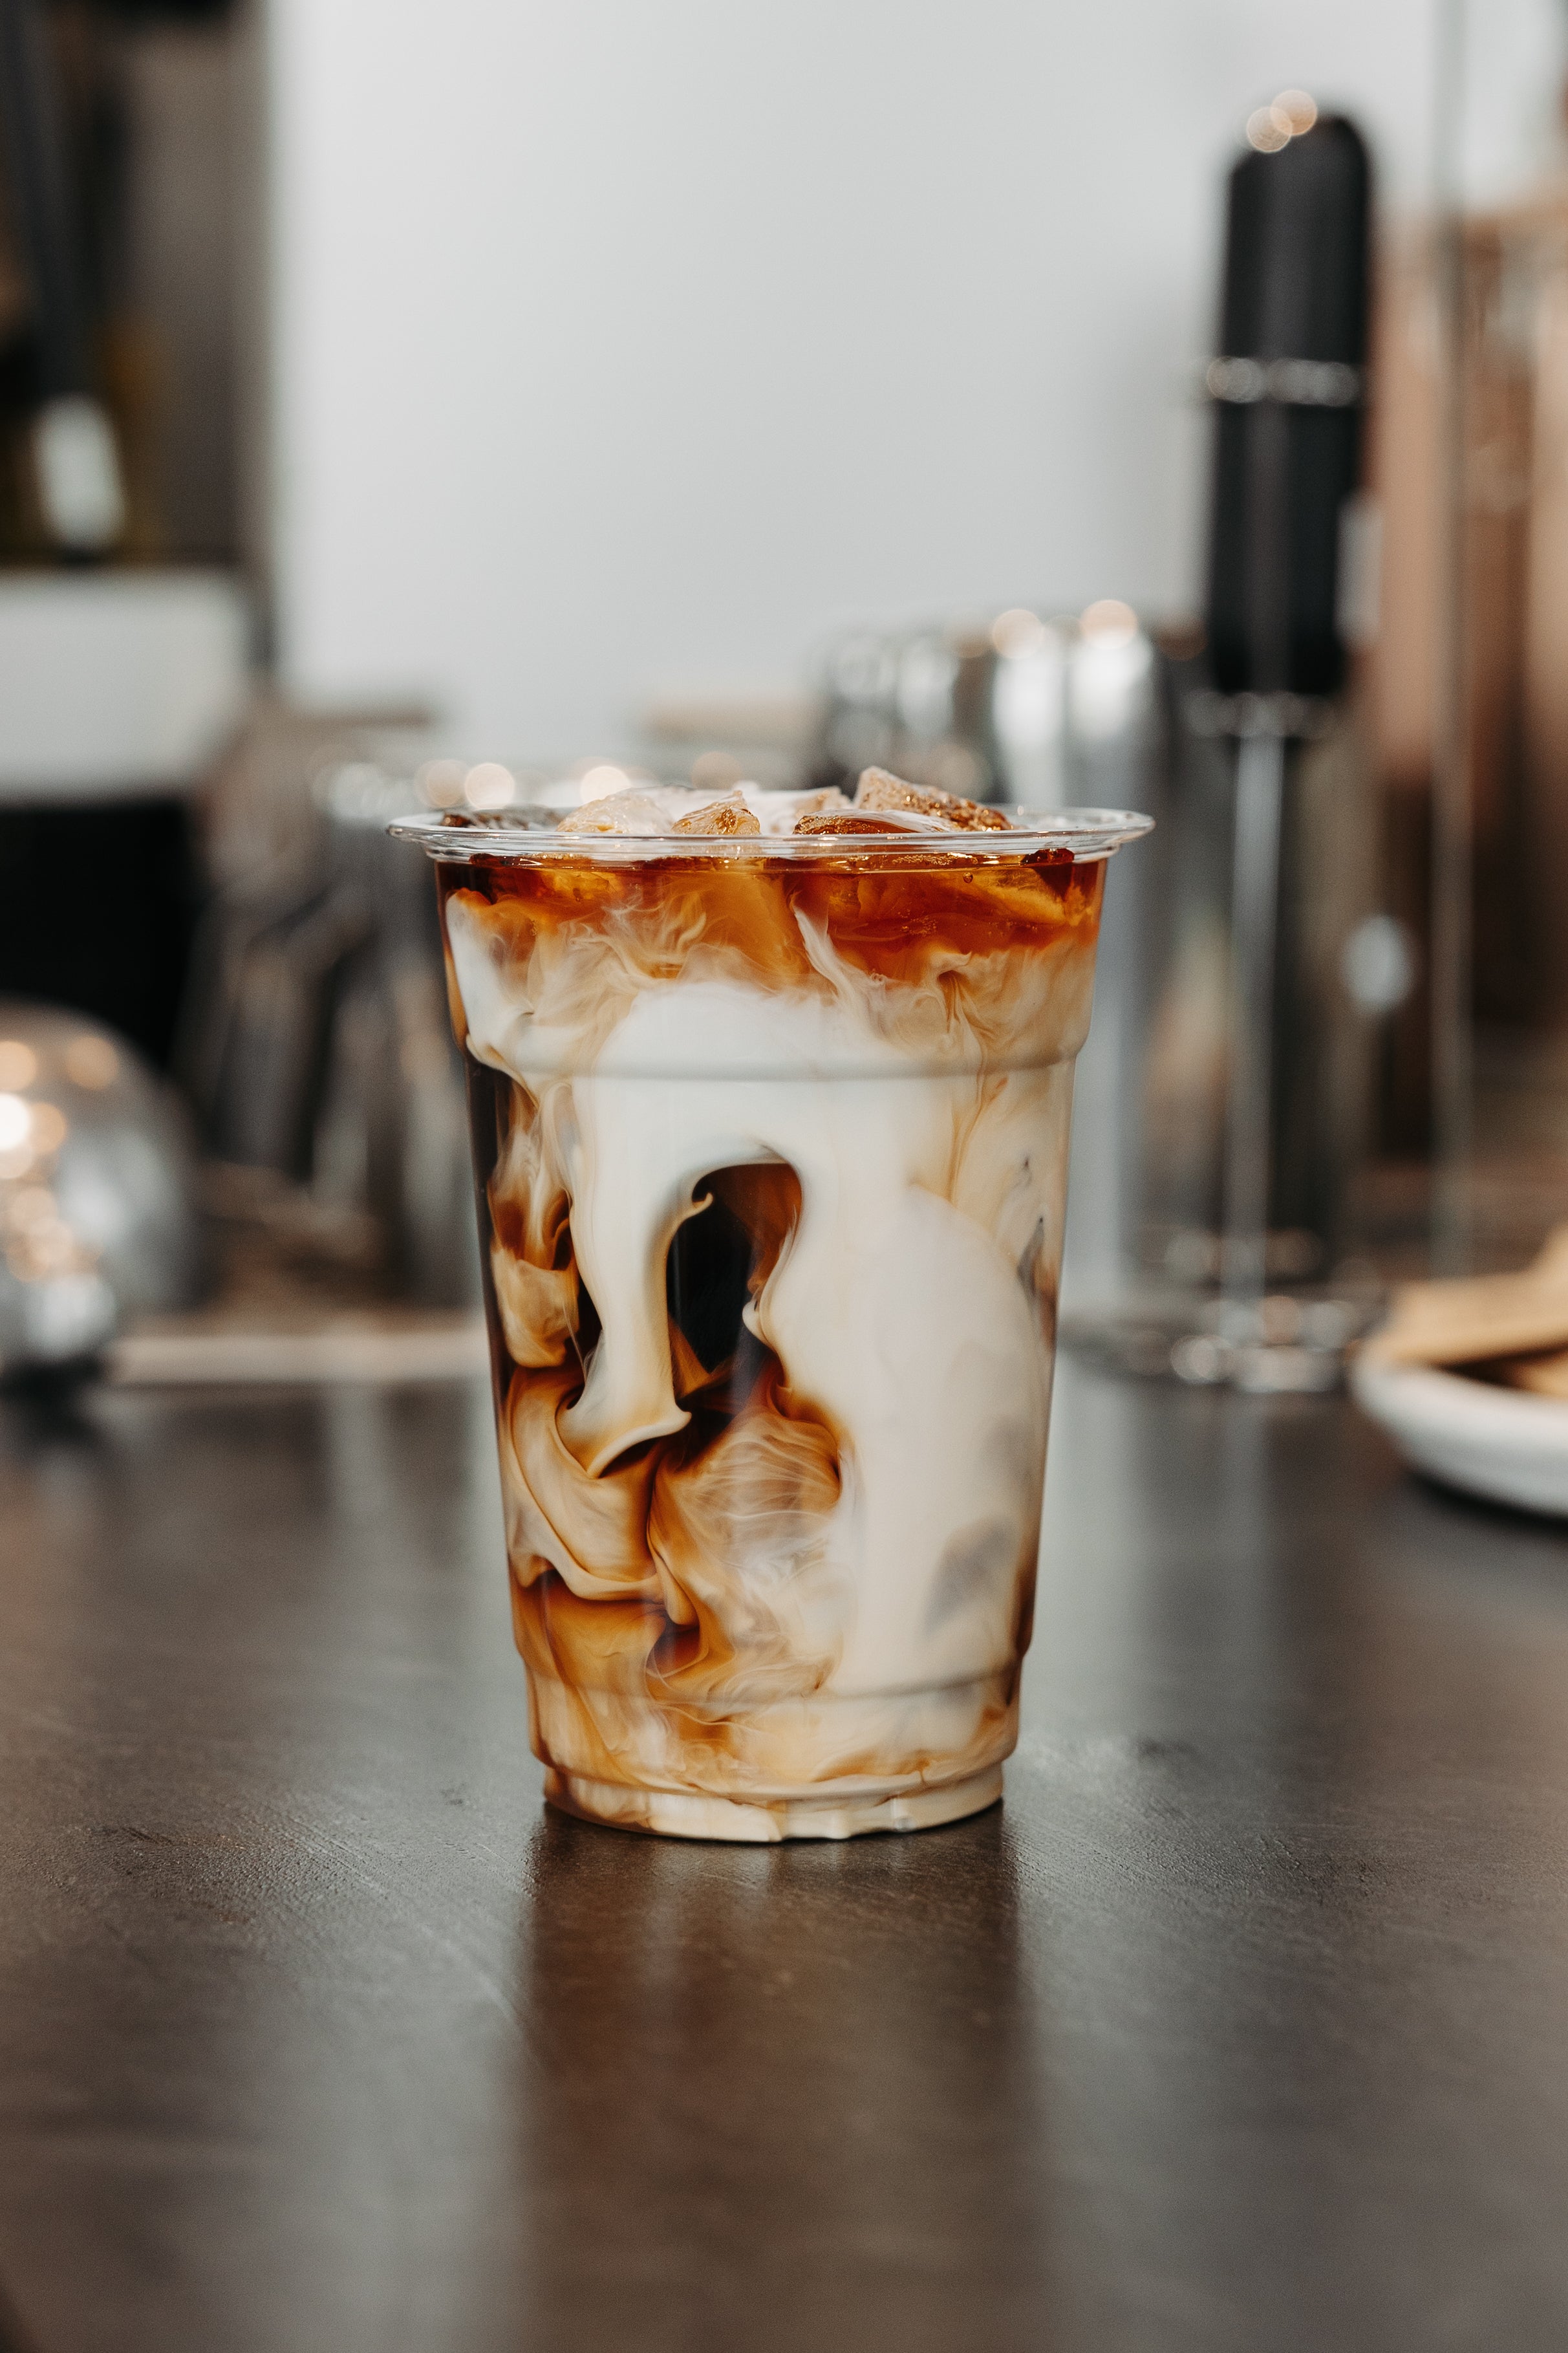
<point>1288,396</point>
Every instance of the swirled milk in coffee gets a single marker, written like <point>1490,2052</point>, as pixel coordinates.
<point>771,1103</point>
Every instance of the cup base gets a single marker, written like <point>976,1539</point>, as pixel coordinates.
<point>680,1813</point>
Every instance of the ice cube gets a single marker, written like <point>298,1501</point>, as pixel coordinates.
<point>629,812</point>
<point>729,815</point>
<point>879,789</point>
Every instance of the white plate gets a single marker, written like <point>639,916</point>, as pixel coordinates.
<point>1501,1443</point>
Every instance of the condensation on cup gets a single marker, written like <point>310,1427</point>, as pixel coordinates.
<point>770,1103</point>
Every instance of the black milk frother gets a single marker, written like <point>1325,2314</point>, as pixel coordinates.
<point>1289,390</point>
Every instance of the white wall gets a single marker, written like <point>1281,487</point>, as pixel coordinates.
<point>622,344</point>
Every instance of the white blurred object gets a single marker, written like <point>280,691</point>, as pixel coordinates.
<point>1029,704</point>
<point>1497,1442</point>
<point>1043,711</point>
<point>1379,963</point>
<point>78,474</point>
<point>97,1192</point>
<point>117,683</point>
<point>1109,677</point>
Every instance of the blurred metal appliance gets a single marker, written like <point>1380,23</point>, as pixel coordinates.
<point>98,1218</point>
<point>319,1043</point>
<point>1045,713</point>
<point>391,1132</point>
<point>1256,1053</point>
<point>1265,742</point>
<point>1288,395</point>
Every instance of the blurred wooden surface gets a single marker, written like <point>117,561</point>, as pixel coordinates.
<point>1242,2025</point>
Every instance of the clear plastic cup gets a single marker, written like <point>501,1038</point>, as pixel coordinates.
<point>770,1145</point>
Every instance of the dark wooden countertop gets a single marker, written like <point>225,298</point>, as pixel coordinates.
<point>1243,2024</point>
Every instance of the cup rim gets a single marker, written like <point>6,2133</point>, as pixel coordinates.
<point>528,835</point>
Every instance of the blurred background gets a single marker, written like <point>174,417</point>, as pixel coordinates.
<point>405,406</point>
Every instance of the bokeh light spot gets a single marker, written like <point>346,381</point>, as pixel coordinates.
<point>1017,631</point>
<point>440,782</point>
<point>18,1065</point>
<point>1108,622</point>
<point>489,786</point>
<point>91,1061</point>
<point>49,1127</point>
<point>1296,111</point>
<point>604,777</point>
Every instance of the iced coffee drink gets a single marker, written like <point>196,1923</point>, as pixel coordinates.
<point>770,1098</point>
